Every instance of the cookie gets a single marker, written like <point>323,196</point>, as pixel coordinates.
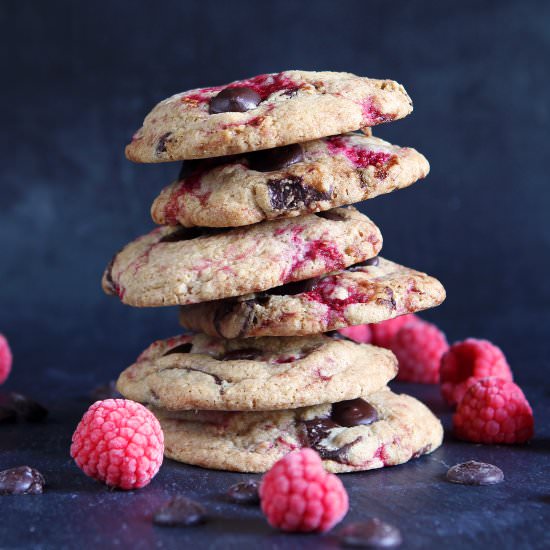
<point>368,292</point>
<point>266,111</point>
<point>201,372</point>
<point>286,181</point>
<point>172,266</point>
<point>382,429</point>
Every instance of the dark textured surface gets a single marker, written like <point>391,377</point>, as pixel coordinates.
<point>77,79</point>
<point>76,512</point>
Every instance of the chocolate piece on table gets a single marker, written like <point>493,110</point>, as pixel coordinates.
<point>475,473</point>
<point>22,480</point>
<point>180,511</point>
<point>245,492</point>
<point>372,533</point>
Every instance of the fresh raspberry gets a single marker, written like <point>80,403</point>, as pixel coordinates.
<point>467,362</point>
<point>119,442</point>
<point>384,332</point>
<point>494,410</point>
<point>359,333</point>
<point>418,347</point>
<point>5,359</point>
<point>297,494</point>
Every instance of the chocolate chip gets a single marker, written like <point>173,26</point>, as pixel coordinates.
<point>106,391</point>
<point>23,407</point>
<point>475,473</point>
<point>290,193</point>
<point>245,492</point>
<point>372,533</point>
<point>182,348</point>
<point>22,480</point>
<point>318,429</point>
<point>180,512</point>
<point>355,412</point>
<point>248,354</point>
<point>234,100</point>
<point>371,261</point>
<point>161,143</point>
<point>269,160</point>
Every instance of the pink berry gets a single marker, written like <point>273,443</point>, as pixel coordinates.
<point>467,362</point>
<point>418,347</point>
<point>297,494</point>
<point>6,359</point>
<point>384,332</point>
<point>494,410</point>
<point>119,442</point>
<point>359,333</point>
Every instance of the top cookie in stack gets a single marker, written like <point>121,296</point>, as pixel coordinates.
<point>256,241</point>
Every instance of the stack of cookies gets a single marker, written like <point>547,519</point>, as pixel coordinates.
<point>257,248</point>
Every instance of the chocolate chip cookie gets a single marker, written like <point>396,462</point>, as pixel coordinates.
<point>286,181</point>
<point>176,266</point>
<point>263,112</point>
<point>368,292</point>
<point>202,372</point>
<point>379,429</point>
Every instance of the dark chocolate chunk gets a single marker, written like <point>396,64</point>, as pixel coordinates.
<point>180,512</point>
<point>318,429</point>
<point>372,533</point>
<point>23,407</point>
<point>371,261</point>
<point>269,160</point>
<point>161,143</point>
<point>22,480</point>
<point>106,391</point>
<point>355,412</point>
<point>290,193</point>
<point>234,100</point>
<point>182,348</point>
<point>475,473</point>
<point>245,492</point>
<point>249,354</point>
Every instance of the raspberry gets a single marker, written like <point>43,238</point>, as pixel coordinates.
<point>418,347</point>
<point>359,333</point>
<point>5,359</point>
<point>297,494</point>
<point>467,362</point>
<point>384,332</point>
<point>118,442</point>
<point>494,410</point>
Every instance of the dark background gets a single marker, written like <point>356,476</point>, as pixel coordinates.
<point>78,78</point>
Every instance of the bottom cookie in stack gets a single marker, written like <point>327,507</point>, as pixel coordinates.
<point>380,429</point>
<point>242,404</point>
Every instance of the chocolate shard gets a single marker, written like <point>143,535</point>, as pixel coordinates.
<point>289,193</point>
